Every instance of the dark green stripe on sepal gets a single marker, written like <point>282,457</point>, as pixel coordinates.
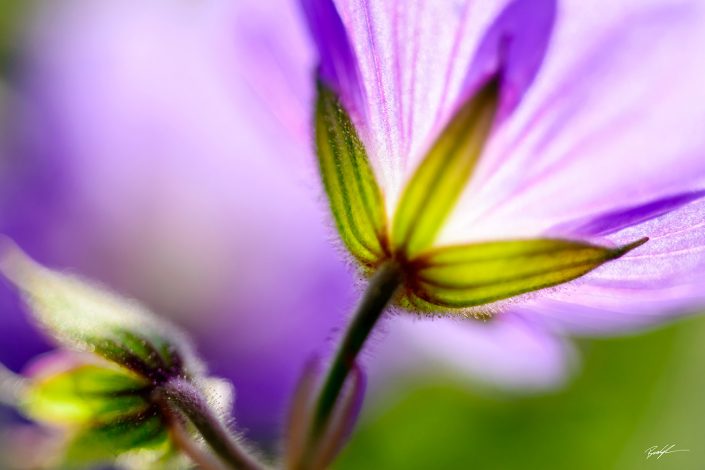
<point>102,442</point>
<point>477,274</point>
<point>152,356</point>
<point>354,195</point>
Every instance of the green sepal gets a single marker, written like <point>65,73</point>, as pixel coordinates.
<point>83,315</point>
<point>481,273</point>
<point>437,183</point>
<point>144,431</point>
<point>85,393</point>
<point>108,398</point>
<point>353,193</point>
<point>149,356</point>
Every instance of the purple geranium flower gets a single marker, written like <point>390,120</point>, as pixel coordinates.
<point>163,148</point>
<point>511,159</point>
<point>592,142</point>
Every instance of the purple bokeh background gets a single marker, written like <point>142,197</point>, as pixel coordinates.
<point>138,156</point>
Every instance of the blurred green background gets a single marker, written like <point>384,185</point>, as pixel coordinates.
<point>630,394</point>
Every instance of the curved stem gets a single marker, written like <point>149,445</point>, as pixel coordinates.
<point>183,396</point>
<point>382,287</point>
<point>186,444</point>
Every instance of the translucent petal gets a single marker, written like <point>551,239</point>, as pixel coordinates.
<point>419,60</point>
<point>511,351</point>
<point>657,280</point>
<point>603,126</point>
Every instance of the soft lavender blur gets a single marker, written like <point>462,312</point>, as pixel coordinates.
<point>140,156</point>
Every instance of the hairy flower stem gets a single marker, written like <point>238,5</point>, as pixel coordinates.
<point>381,289</point>
<point>184,442</point>
<point>183,396</point>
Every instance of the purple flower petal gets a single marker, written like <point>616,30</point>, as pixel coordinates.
<point>414,62</point>
<point>610,222</point>
<point>510,351</point>
<point>513,47</point>
<point>338,65</point>
<point>604,126</point>
<point>661,278</point>
<point>413,57</point>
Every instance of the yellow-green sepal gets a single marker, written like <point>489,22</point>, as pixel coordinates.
<point>82,391</point>
<point>476,274</point>
<point>105,409</point>
<point>437,183</point>
<point>349,180</point>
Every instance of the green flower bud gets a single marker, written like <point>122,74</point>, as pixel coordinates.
<point>105,387</point>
